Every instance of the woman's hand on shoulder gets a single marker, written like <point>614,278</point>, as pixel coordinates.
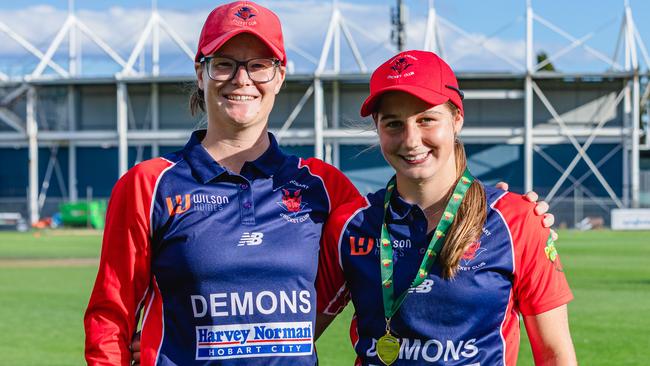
<point>541,207</point>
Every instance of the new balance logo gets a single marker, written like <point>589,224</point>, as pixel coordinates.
<point>250,239</point>
<point>423,288</point>
<point>361,246</point>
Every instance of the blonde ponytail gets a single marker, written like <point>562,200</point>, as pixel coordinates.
<point>471,215</point>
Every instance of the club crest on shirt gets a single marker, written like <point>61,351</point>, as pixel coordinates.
<point>472,251</point>
<point>293,206</point>
<point>468,260</point>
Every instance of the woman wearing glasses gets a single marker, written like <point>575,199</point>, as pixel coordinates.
<point>217,244</point>
<point>215,247</point>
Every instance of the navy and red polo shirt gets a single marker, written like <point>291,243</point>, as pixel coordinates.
<point>222,266</point>
<point>472,319</point>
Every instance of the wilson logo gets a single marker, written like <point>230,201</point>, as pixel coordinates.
<point>250,239</point>
<point>361,246</point>
<point>179,205</point>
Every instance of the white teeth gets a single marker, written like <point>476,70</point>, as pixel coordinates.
<point>239,98</point>
<point>416,157</point>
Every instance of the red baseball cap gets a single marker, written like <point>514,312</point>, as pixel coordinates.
<point>229,20</point>
<point>420,73</point>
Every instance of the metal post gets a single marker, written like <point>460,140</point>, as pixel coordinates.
<point>635,108</point>
<point>398,33</point>
<point>122,126</point>
<point>318,118</point>
<point>155,117</point>
<point>528,105</point>
<point>335,147</point>
<point>636,111</point>
<point>32,131</point>
<point>72,147</point>
<point>625,141</point>
<point>578,206</point>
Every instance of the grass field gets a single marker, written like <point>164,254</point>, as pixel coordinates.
<point>43,296</point>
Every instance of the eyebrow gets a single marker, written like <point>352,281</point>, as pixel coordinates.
<point>434,112</point>
<point>387,116</point>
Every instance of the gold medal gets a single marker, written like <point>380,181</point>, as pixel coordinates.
<point>387,349</point>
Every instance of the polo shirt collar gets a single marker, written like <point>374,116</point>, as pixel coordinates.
<point>206,168</point>
<point>398,208</point>
<point>270,162</point>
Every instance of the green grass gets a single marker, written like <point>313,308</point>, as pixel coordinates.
<point>42,315</point>
<point>41,309</point>
<point>50,244</point>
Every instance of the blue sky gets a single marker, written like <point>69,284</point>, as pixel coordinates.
<point>119,23</point>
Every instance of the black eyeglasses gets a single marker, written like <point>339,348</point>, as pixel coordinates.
<point>259,70</point>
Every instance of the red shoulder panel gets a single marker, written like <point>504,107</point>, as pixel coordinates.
<point>332,292</point>
<point>123,277</point>
<point>339,188</point>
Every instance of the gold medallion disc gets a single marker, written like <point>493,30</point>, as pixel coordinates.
<point>387,349</point>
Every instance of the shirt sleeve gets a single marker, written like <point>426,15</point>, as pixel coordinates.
<point>539,281</point>
<point>340,189</point>
<point>343,190</point>
<point>332,292</point>
<point>124,272</point>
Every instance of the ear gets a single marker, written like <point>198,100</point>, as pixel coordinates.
<point>281,75</point>
<point>458,123</point>
<point>198,68</point>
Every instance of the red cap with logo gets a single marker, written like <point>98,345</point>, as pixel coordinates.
<point>420,73</point>
<point>229,20</point>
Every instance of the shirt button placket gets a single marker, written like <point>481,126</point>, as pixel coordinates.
<point>247,208</point>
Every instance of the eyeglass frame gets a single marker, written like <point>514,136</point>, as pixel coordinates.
<point>238,64</point>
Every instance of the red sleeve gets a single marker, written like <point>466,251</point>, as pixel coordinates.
<point>340,189</point>
<point>331,289</point>
<point>539,281</point>
<point>124,269</point>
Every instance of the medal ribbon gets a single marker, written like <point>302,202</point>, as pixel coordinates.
<point>392,304</point>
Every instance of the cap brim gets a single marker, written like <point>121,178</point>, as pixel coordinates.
<point>427,95</point>
<point>218,42</point>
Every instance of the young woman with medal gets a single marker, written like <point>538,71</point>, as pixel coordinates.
<point>437,265</point>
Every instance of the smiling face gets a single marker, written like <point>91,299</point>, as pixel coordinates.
<point>416,139</point>
<point>239,102</point>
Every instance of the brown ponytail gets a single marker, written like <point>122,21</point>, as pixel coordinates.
<point>472,214</point>
<point>197,100</point>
